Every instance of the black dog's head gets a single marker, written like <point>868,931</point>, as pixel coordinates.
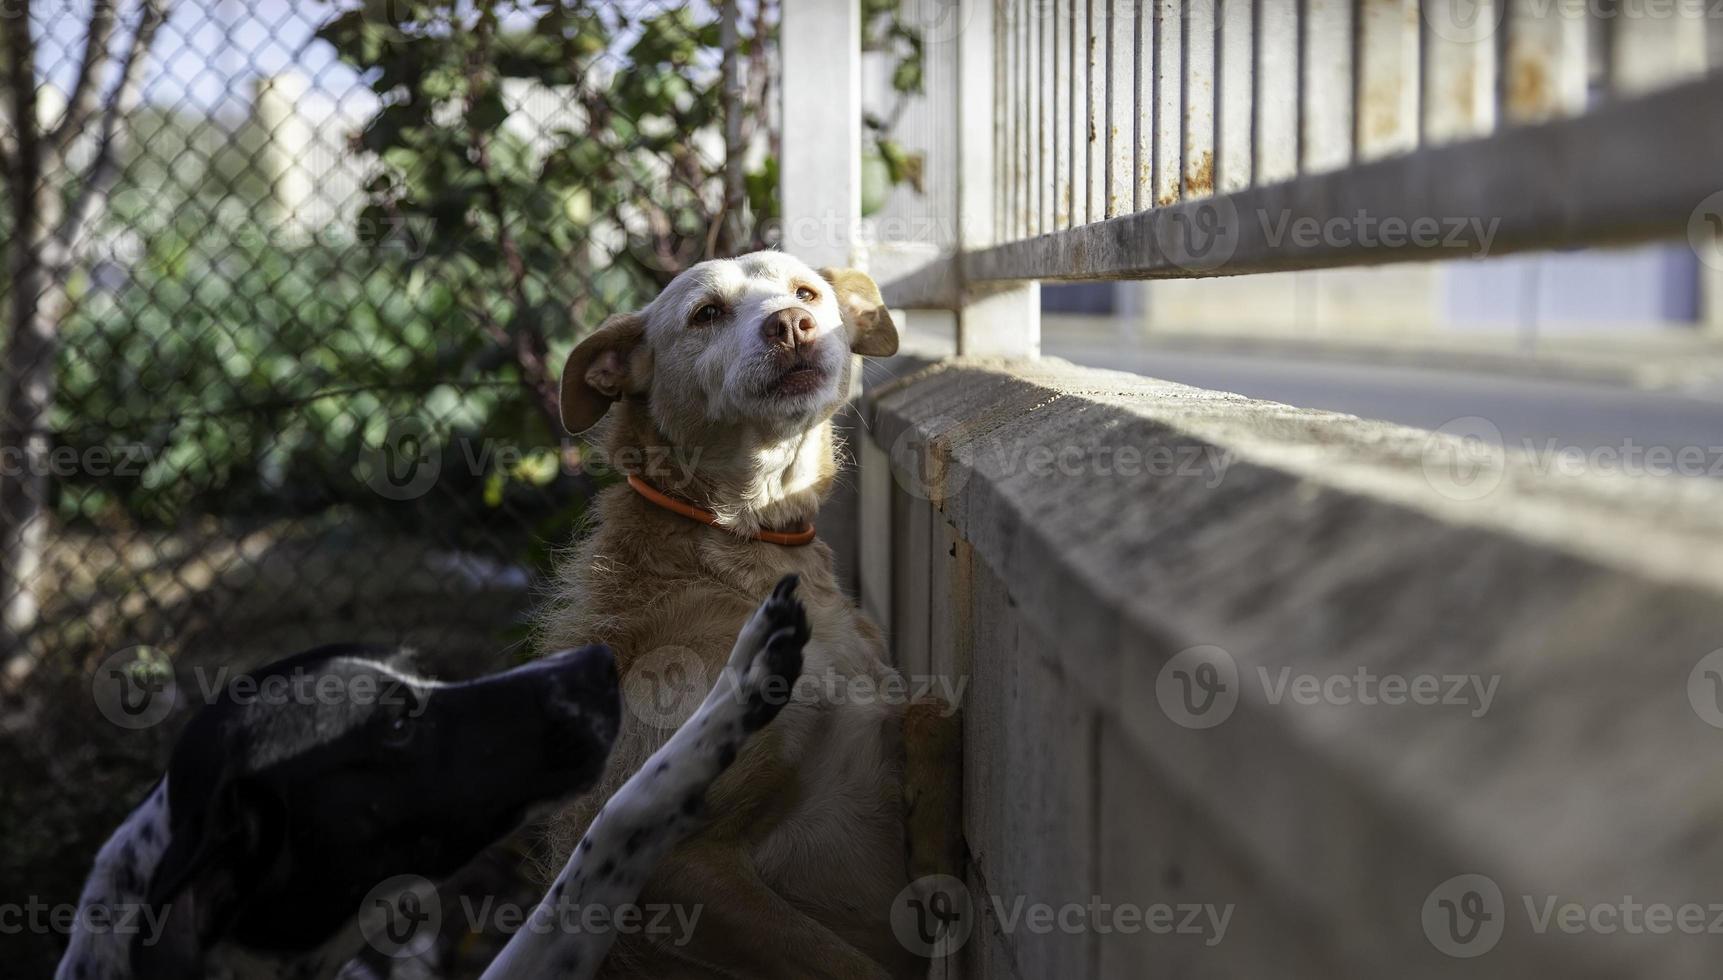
<point>306,783</point>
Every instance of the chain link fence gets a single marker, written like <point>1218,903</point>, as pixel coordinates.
<point>289,287</point>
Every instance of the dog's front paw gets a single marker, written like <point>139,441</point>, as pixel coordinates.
<point>781,610</point>
<point>767,658</point>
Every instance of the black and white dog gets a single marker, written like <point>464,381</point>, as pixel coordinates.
<point>278,815</point>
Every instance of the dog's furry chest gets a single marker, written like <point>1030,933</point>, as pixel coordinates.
<point>843,839</point>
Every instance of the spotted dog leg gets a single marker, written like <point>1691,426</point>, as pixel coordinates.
<point>661,803</point>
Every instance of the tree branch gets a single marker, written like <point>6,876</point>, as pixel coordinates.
<point>86,91</point>
<point>104,169</point>
<point>22,160</point>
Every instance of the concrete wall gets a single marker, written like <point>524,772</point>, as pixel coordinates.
<point>1008,548</point>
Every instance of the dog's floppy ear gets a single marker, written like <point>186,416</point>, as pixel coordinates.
<point>871,330</point>
<point>213,861</point>
<point>610,363</point>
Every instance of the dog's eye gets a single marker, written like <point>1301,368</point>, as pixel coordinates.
<point>707,315</point>
<point>399,731</point>
<point>806,295</point>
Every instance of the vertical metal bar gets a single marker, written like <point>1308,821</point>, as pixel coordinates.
<point>1058,55</point>
<point>1277,87</point>
<point>1169,101</point>
<point>1235,72</point>
<point>1385,77</point>
<point>1423,77</point>
<point>1046,104</point>
<point>1256,95</point>
<point>1543,73</point>
<point>1025,119</point>
<point>1199,54</point>
<point>1006,322</point>
<point>1328,81</point>
<point>1078,33</point>
<point>1459,75</point>
<point>1654,52</point>
<point>1027,80</point>
<point>1301,55</point>
<point>1094,140</point>
<point>1122,58</point>
<point>820,177</point>
<point>1360,79</point>
<point>1001,121</point>
<point>1148,64</point>
<point>978,162</point>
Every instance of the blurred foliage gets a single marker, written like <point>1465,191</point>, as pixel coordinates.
<point>887,29</point>
<point>539,166</point>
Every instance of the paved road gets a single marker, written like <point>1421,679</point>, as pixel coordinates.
<point>1582,415</point>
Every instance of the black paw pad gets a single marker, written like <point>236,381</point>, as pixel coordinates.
<point>783,666</point>
<point>784,611</point>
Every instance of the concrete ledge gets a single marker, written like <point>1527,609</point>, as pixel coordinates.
<point>1253,545</point>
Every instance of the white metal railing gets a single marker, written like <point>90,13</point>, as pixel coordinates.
<point>1151,138</point>
<point>1108,107</point>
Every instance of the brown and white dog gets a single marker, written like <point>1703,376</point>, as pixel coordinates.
<point>720,395</point>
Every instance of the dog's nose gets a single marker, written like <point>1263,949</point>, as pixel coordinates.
<point>789,328</point>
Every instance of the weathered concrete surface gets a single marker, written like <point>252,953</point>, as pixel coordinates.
<point>1307,544</point>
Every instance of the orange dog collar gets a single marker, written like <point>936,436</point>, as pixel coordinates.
<point>653,495</point>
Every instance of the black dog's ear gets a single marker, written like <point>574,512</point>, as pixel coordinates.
<point>608,364</point>
<point>213,861</point>
<point>869,322</point>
